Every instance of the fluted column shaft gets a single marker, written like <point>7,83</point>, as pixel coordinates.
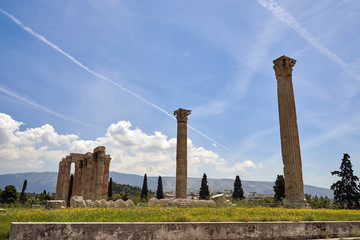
<point>59,183</point>
<point>290,145</point>
<point>181,153</point>
<point>86,176</point>
<point>105,185</point>
<point>66,178</point>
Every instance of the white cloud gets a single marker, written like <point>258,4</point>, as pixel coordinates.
<point>238,167</point>
<point>28,149</point>
<point>131,150</point>
<point>92,72</point>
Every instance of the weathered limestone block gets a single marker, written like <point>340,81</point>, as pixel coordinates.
<point>120,203</point>
<point>182,202</point>
<point>164,202</point>
<point>171,202</point>
<point>129,203</point>
<point>219,198</point>
<point>96,203</point>
<point>104,203</point>
<point>111,203</point>
<point>88,203</point>
<point>212,203</point>
<point>55,204</point>
<point>77,201</point>
<point>153,202</point>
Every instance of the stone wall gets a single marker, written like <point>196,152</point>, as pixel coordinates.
<point>191,230</point>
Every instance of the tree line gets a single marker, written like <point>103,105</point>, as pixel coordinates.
<point>346,191</point>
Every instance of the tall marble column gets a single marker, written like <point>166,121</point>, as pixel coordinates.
<point>105,185</point>
<point>86,176</point>
<point>181,153</point>
<point>99,153</point>
<point>290,146</point>
<point>66,178</point>
<point>59,183</point>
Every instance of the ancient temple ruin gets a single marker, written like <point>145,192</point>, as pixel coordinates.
<point>181,153</point>
<point>290,145</point>
<point>91,178</point>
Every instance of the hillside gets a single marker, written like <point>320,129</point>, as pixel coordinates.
<point>40,181</point>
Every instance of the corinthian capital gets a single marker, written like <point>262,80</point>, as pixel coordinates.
<point>181,114</point>
<point>283,66</point>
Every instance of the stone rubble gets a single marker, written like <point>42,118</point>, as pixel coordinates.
<point>77,201</point>
<point>55,204</point>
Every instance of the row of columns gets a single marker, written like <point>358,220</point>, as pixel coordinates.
<point>91,176</point>
<point>92,169</point>
<point>290,145</point>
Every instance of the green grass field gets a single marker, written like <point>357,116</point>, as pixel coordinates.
<point>171,214</point>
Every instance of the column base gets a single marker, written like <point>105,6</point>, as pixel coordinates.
<point>296,203</point>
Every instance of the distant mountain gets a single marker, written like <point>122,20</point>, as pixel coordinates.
<point>40,181</point>
<point>36,181</point>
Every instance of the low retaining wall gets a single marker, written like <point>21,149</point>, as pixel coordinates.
<point>184,230</point>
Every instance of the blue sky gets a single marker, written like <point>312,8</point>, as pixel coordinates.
<point>75,75</point>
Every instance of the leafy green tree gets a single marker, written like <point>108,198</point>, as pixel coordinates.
<point>159,191</point>
<point>125,188</point>
<point>22,195</point>
<point>279,188</point>
<point>125,197</point>
<point>346,190</point>
<point>44,197</point>
<point>9,194</point>
<point>110,192</point>
<point>316,202</point>
<point>204,189</point>
<point>144,190</point>
<point>70,189</point>
<point>238,193</point>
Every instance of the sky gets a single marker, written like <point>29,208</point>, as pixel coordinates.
<point>75,75</point>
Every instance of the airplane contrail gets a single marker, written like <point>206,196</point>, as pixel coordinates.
<point>55,47</point>
<point>45,109</point>
<point>288,19</point>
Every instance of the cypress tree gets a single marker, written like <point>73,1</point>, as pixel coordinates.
<point>238,193</point>
<point>144,190</point>
<point>346,190</point>
<point>110,187</point>
<point>159,191</point>
<point>204,189</point>
<point>9,194</point>
<point>70,189</point>
<point>22,195</point>
<point>279,188</point>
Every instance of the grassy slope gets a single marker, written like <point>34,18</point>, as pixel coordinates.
<point>171,214</point>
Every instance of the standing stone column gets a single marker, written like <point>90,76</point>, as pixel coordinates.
<point>66,178</point>
<point>105,185</point>
<point>99,153</point>
<point>59,183</point>
<point>181,152</point>
<point>290,146</point>
<point>86,175</point>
